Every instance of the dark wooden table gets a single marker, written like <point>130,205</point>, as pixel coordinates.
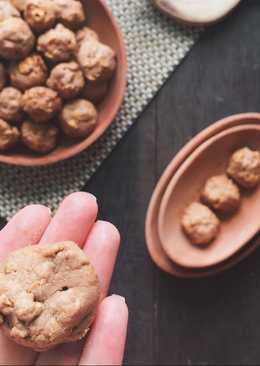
<point>172,321</point>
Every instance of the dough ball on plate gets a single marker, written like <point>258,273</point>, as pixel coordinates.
<point>221,194</point>
<point>70,12</point>
<point>97,60</point>
<point>244,167</point>
<point>41,138</point>
<point>86,32</point>
<point>40,14</point>
<point>16,39</point>
<point>78,118</point>
<point>7,10</point>
<point>200,224</point>
<point>9,135</point>
<point>11,105</point>
<point>28,73</point>
<point>67,79</point>
<point>57,44</point>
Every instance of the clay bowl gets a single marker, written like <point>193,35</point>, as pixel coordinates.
<point>209,159</point>
<point>100,19</point>
<point>154,246</point>
<point>196,12</point>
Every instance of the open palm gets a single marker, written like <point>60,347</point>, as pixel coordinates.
<point>75,220</point>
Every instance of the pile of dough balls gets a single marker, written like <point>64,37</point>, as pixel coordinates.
<point>54,71</point>
<point>221,195</point>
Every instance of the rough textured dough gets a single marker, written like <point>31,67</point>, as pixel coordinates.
<point>200,224</point>
<point>48,295</point>
<point>16,39</point>
<point>28,73</point>
<point>244,167</point>
<point>11,105</point>
<point>70,12</point>
<point>58,44</point>
<point>86,32</point>
<point>78,118</point>
<point>7,10</point>
<point>40,14</point>
<point>41,103</point>
<point>98,61</point>
<point>19,4</point>
<point>67,79</point>
<point>221,194</point>
<point>9,136</point>
<point>41,138</point>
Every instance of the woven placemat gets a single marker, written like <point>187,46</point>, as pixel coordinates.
<point>156,45</point>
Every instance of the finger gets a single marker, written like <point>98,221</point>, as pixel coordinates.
<point>73,220</point>
<point>26,227</point>
<point>101,247</point>
<point>106,342</point>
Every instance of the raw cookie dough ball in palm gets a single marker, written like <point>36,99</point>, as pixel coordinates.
<point>40,14</point>
<point>28,73</point>
<point>41,138</point>
<point>70,12</point>
<point>221,194</point>
<point>52,304</point>
<point>200,224</point>
<point>97,60</point>
<point>67,79</point>
<point>244,167</point>
<point>16,39</point>
<point>2,76</point>
<point>57,44</point>
<point>7,10</point>
<point>9,136</point>
<point>41,103</point>
<point>78,118</point>
<point>11,105</point>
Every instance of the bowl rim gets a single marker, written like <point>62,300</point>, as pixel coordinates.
<point>72,151</point>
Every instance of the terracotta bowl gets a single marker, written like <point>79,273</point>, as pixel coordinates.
<point>101,20</point>
<point>153,243</point>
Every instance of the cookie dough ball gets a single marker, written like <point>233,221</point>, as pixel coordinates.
<point>11,105</point>
<point>41,103</point>
<point>97,60</point>
<point>57,44</point>
<point>86,32</point>
<point>19,4</point>
<point>16,39</point>
<point>7,10</point>
<point>67,79</point>
<point>40,14</point>
<point>2,76</point>
<point>70,12</point>
<point>41,138</point>
<point>221,194</point>
<point>78,118</point>
<point>28,73</point>
<point>244,167</point>
<point>55,302</point>
<point>200,224</point>
<point>9,135</point>
<point>95,92</point>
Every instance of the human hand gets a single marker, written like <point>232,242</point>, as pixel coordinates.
<point>74,220</point>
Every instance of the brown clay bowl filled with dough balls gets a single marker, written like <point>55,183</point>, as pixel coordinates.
<point>63,71</point>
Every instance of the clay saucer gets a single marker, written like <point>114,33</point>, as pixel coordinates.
<point>197,12</point>
<point>207,160</point>
<point>154,246</point>
<point>101,20</point>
